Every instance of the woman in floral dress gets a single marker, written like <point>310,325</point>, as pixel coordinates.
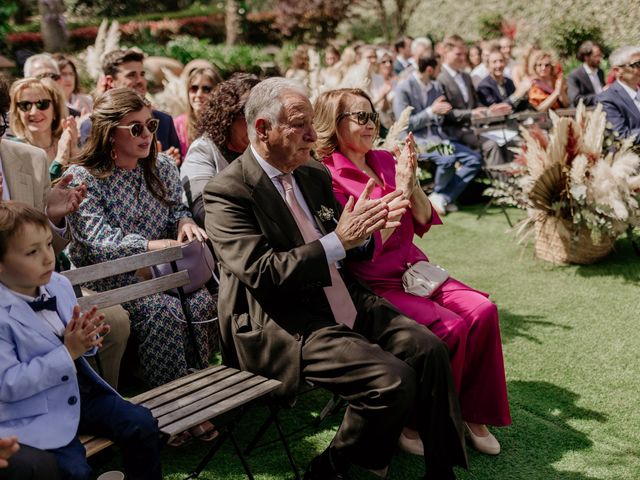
<point>134,206</point>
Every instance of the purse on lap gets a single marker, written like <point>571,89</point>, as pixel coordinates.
<point>197,260</point>
<point>423,278</point>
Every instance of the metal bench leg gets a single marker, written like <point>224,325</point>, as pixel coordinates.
<point>238,450</point>
<point>332,406</point>
<point>207,458</point>
<point>283,439</point>
<point>261,431</point>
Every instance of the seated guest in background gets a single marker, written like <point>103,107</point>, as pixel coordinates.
<point>200,83</point>
<point>299,69</point>
<point>402,49</point>
<point>430,106</point>
<point>48,393</point>
<point>70,83</point>
<point>459,92</point>
<point>382,84</point>
<point>506,47</point>
<point>289,312</point>
<point>125,69</point>
<point>586,81</point>
<point>222,137</point>
<point>520,70</point>
<point>44,65</point>
<point>25,178</point>
<point>621,101</point>
<point>460,316</point>
<point>548,88</point>
<point>331,74</point>
<point>39,117</point>
<point>134,205</point>
<point>478,66</point>
<point>497,88</point>
<point>420,47</point>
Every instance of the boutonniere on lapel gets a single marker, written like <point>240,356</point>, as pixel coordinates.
<point>325,214</point>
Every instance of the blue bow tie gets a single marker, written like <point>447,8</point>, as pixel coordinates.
<point>44,304</point>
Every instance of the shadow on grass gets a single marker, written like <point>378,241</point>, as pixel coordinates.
<point>513,325</point>
<point>622,262</point>
<point>541,430</point>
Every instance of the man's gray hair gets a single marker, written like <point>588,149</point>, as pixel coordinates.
<point>265,101</point>
<point>420,42</point>
<point>622,56</point>
<point>42,58</point>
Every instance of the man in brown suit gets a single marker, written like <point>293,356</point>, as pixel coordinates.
<point>24,177</point>
<point>277,285</point>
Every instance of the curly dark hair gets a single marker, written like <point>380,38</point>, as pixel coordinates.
<point>225,103</point>
<point>5,98</point>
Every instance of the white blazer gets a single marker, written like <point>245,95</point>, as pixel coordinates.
<point>39,396</point>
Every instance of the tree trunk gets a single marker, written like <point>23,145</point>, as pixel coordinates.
<point>232,22</point>
<point>54,27</point>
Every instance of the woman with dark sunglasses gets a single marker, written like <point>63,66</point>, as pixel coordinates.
<point>200,84</point>
<point>463,318</point>
<point>134,205</point>
<point>39,117</point>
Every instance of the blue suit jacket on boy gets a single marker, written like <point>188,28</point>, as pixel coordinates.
<point>39,395</point>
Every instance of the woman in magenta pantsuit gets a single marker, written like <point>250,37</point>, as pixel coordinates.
<point>464,318</point>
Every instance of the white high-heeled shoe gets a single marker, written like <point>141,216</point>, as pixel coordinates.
<point>488,444</point>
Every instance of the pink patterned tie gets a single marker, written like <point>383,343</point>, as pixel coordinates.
<point>337,294</point>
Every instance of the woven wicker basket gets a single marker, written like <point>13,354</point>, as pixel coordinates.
<point>558,241</point>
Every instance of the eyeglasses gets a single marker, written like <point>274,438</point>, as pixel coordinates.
<point>386,61</point>
<point>136,129</point>
<point>204,88</point>
<point>41,104</point>
<point>53,76</point>
<point>632,65</point>
<point>543,65</point>
<point>361,117</point>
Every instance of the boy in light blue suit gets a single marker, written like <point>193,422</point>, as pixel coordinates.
<point>48,393</point>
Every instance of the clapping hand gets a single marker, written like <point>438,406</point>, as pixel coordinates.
<point>8,446</point>
<point>84,332</point>
<point>360,218</point>
<point>407,159</point>
<point>440,106</point>
<point>63,200</point>
<point>173,152</point>
<point>68,143</point>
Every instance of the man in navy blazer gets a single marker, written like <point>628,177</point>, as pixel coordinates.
<point>495,88</point>
<point>125,68</point>
<point>621,101</point>
<point>586,81</point>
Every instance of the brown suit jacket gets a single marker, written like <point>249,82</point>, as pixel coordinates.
<point>26,172</point>
<point>271,282</point>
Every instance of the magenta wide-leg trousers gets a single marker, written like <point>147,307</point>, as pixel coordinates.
<point>467,321</point>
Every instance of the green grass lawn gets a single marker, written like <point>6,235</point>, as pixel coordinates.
<point>571,343</point>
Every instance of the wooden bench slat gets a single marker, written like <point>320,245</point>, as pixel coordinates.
<point>122,265</point>
<point>229,385</point>
<point>211,403</point>
<point>222,407</point>
<point>95,445</point>
<point>178,382</point>
<point>221,379</point>
<point>134,291</point>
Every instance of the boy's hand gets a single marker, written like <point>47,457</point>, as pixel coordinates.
<point>84,332</point>
<point>8,446</point>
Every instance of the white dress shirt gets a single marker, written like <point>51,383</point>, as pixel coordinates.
<point>331,244</point>
<point>457,76</point>
<point>51,318</point>
<point>634,94</point>
<point>593,76</point>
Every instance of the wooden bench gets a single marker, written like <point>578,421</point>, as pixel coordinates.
<point>216,393</point>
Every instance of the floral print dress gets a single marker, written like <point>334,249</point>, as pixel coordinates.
<point>118,219</point>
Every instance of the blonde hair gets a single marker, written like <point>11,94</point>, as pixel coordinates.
<point>327,107</point>
<point>535,57</point>
<point>58,104</point>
